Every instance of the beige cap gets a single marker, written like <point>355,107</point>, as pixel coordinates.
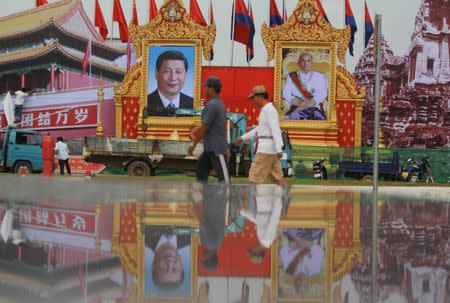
<point>259,89</point>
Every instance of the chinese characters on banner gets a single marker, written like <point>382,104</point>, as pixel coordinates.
<point>58,220</point>
<point>80,116</point>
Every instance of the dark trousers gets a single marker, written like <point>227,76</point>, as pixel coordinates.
<point>61,166</point>
<point>209,161</point>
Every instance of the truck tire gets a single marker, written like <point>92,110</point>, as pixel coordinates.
<point>367,178</point>
<point>139,169</point>
<point>23,165</point>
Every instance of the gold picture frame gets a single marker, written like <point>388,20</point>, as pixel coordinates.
<point>325,275</point>
<point>324,56</point>
<point>162,122</point>
<point>143,288</point>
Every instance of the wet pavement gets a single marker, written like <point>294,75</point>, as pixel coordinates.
<point>133,240</point>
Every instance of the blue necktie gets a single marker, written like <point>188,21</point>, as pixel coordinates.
<point>171,106</point>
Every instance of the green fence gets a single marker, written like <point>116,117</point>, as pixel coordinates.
<point>304,157</point>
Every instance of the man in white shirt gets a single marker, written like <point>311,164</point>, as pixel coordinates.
<point>62,151</point>
<point>268,140</point>
<point>305,92</point>
<point>18,103</point>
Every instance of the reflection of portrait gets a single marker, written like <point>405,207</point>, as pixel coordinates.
<point>172,74</point>
<point>302,257</point>
<point>305,91</point>
<point>167,261</point>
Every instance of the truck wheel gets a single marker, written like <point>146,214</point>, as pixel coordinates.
<point>23,166</point>
<point>138,169</point>
<point>367,178</point>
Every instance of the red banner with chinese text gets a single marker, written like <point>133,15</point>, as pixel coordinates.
<point>58,220</point>
<point>53,118</point>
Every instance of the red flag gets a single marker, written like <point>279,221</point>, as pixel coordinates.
<point>211,21</point>
<point>153,10</point>
<point>196,13</point>
<point>119,17</point>
<point>87,56</point>
<point>135,16</point>
<point>41,2</point>
<point>100,21</point>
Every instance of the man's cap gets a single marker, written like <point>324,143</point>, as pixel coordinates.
<point>259,89</point>
<point>213,82</point>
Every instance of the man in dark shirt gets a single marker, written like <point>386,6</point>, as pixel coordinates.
<point>171,72</point>
<point>213,132</point>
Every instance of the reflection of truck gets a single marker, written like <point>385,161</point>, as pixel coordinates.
<point>141,157</point>
<point>21,151</point>
<point>363,169</point>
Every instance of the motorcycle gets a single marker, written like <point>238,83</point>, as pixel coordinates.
<point>319,170</point>
<point>417,171</point>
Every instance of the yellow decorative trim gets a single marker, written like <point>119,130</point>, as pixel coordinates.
<point>131,83</point>
<point>343,263</point>
<point>118,108</point>
<point>173,22</point>
<point>305,24</point>
<point>347,87</point>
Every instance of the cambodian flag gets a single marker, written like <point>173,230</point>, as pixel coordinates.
<point>250,51</point>
<point>275,17</point>
<point>242,23</point>
<point>322,11</point>
<point>350,20</point>
<point>368,26</point>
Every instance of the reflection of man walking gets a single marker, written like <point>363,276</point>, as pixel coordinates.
<point>268,140</point>
<point>306,92</point>
<point>63,155</point>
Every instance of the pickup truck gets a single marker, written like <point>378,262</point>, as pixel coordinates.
<point>362,169</point>
<point>140,157</point>
<point>21,150</point>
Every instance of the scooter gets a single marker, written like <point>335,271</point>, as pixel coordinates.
<point>412,172</point>
<point>319,170</point>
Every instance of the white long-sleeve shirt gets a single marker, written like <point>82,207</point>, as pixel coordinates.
<point>20,97</point>
<point>315,83</point>
<point>269,126</point>
<point>63,150</point>
<point>266,212</point>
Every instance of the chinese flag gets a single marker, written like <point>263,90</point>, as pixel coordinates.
<point>153,10</point>
<point>135,20</point>
<point>119,17</point>
<point>87,56</point>
<point>196,13</point>
<point>100,21</point>
<point>41,2</point>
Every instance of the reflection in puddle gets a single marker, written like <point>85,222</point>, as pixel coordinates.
<point>103,240</point>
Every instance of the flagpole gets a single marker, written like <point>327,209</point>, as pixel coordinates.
<point>246,47</point>
<point>267,62</point>
<point>232,32</point>
<point>209,18</point>
<point>90,61</point>
<point>112,23</point>
<point>345,57</point>
<point>86,275</point>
